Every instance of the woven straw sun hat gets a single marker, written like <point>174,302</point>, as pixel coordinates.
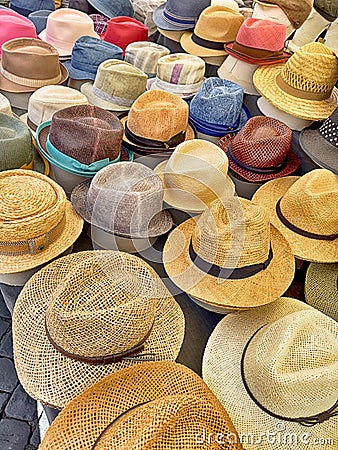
<point>230,256</point>
<point>165,392</point>
<point>321,288</point>
<point>94,313</point>
<point>305,210</point>
<point>305,85</point>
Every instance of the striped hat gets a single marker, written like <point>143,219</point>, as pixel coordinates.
<point>145,55</point>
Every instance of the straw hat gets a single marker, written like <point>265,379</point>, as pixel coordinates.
<point>145,55</point>
<point>321,288</point>
<point>275,370</point>
<point>195,174</point>
<point>304,85</point>
<point>152,384</point>
<point>94,313</point>
<point>230,249</point>
<point>305,210</point>
<point>37,223</point>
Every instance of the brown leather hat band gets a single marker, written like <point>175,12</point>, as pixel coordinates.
<point>255,53</point>
<point>306,95</point>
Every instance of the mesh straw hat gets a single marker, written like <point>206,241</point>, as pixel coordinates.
<point>84,419</point>
<point>295,11</point>
<point>13,25</point>
<point>94,313</point>
<point>321,288</point>
<point>230,248</point>
<point>117,85</point>
<point>125,199</point>
<point>261,150</point>
<point>216,26</point>
<point>145,55</point>
<point>195,174</point>
<point>179,15</point>
<point>37,223</point>
<point>304,85</point>
<point>304,209</point>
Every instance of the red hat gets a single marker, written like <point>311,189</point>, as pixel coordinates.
<point>13,25</point>
<point>259,42</point>
<point>124,30</point>
<point>261,150</point>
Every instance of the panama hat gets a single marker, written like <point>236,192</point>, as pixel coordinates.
<point>304,209</point>
<point>321,288</point>
<point>100,406</point>
<point>94,313</point>
<point>275,371</point>
<point>304,85</point>
<point>230,256</point>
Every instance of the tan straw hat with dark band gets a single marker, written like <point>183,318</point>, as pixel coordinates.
<point>94,313</point>
<point>305,210</point>
<point>160,403</point>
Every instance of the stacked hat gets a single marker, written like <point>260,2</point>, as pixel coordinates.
<point>113,9</point>
<point>123,30</point>
<point>179,15</point>
<point>24,7</point>
<point>13,25</point>
<point>296,13</point>
<point>145,55</point>
<point>39,19</point>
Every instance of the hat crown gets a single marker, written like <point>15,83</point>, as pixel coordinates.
<point>5,106</point>
<point>145,55</point>
<point>13,25</point>
<point>181,68</point>
<point>185,8</point>
<point>329,129</point>
<point>123,30</point>
<point>262,34</point>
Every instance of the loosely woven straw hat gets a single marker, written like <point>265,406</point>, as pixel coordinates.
<point>304,85</point>
<point>172,397</point>
<point>37,223</point>
<point>275,370</point>
<point>321,288</point>
<point>94,313</point>
<point>305,210</point>
<point>230,256</point>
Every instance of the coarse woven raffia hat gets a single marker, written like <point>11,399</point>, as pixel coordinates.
<point>94,313</point>
<point>145,55</point>
<point>275,370</point>
<point>98,408</point>
<point>305,210</point>
<point>125,199</point>
<point>305,85</point>
<point>321,144</point>
<point>113,9</point>
<point>195,175</point>
<point>37,222</point>
<point>295,11</point>
<point>321,288</point>
<point>39,19</point>
<point>13,25</point>
<point>216,26</point>
<point>124,30</point>
<point>262,150</point>
<point>230,256</point>
<point>178,15</point>
<point>117,85</point>
<point>24,7</point>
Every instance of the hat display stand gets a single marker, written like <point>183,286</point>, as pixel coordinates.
<point>171,40</point>
<point>66,180</point>
<point>153,160</point>
<point>18,100</point>
<point>244,189</point>
<point>212,308</point>
<point>76,84</point>
<point>240,72</point>
<point>274,13</point>
<point>331,37</point>
<point>180,215</point>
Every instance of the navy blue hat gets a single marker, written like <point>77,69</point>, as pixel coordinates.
<point>39,18</point>
<point>25,7</point>
<point>179,15</point>
<point>114,8</point>
<point>87,54</point>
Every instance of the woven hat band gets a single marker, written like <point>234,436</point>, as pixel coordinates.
<point>144,142</point>
<point>35,245</point>
<point>178,88</point>
<point>306,95</point>
<point>28,81</point>
<point>178,20</point>
<point>256,52</point>
<point>319,237</point>
<point>207,44</point>
<point>112,98</point>
<point>274,169</point>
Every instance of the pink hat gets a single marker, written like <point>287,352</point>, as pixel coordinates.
<point>124,30</point>
<point>259,42</point>
<point>13,25</point>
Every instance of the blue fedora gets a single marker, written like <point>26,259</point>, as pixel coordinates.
<point>177,15</point>
<point>25,7</point>
<point>39,18</point>
<point>114,8</point>
<point>87,54</point>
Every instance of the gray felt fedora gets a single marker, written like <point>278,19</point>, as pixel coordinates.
<point>179,14</point>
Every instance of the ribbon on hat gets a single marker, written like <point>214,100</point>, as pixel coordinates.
<point>112,98</point>
<point>179,21</point>
<point>29,81</point>
<point>207,44</point>
<point>298,93</point>
<point>157,145</point>
<point>272,169</point>
<point>183,89</point>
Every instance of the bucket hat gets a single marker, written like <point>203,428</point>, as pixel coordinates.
<point>13,25</point>
<point>87,54</point>
<point>321,144</point>
<point>38,223</point>
<point>98,312</point>
<point>230,248</point>
<point>176,15</point>
<point>262,150</point>
<point>113,9</point>
<point>321,288</point>
<point>64,27</point>
<point>274,369</point>
<point>304,85</point>
<point>145,55</point>
<point>124,30</point>
<point>117,85</point>
<point>216,26</point>
<point>297,13</point>
<point>143,384</point>
<point>24,7</point>
<point>100,23</point>
<point>39,19</point>
<point>304,209</point>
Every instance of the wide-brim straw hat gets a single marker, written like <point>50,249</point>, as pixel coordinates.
<point>221,370</point>
<point>55,379</point>
<point>321,288</point>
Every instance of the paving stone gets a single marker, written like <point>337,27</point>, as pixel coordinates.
<point>3,328</point>
<point>14,434</point>
<point>3,400</point>
<point>6,347</point>
<point>21,406</point>
<point>3,308</point>
<point>35,439</point>
<point>8,376</point>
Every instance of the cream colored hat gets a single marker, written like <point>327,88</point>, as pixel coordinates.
<point>145,55</point>
<point>195,174</point>
<point>117,85</point>
<point>5,106</point>
<point>275,370</point>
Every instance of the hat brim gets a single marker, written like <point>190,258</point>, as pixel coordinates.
<point>63,52</point>
<point>264,79</point>
<point>221,370</point>
<point>259,62</point>
<point>97,4</point>
<point>55,379</point>
<point>161,23</point>
<point>87,90</point>
<point>302,247</point>
<point>260,289</point>
<point>319,150</point>
<point>160,224</point>
<point>153,84</point>
<point>77,74</point>
<point>192,48</point>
